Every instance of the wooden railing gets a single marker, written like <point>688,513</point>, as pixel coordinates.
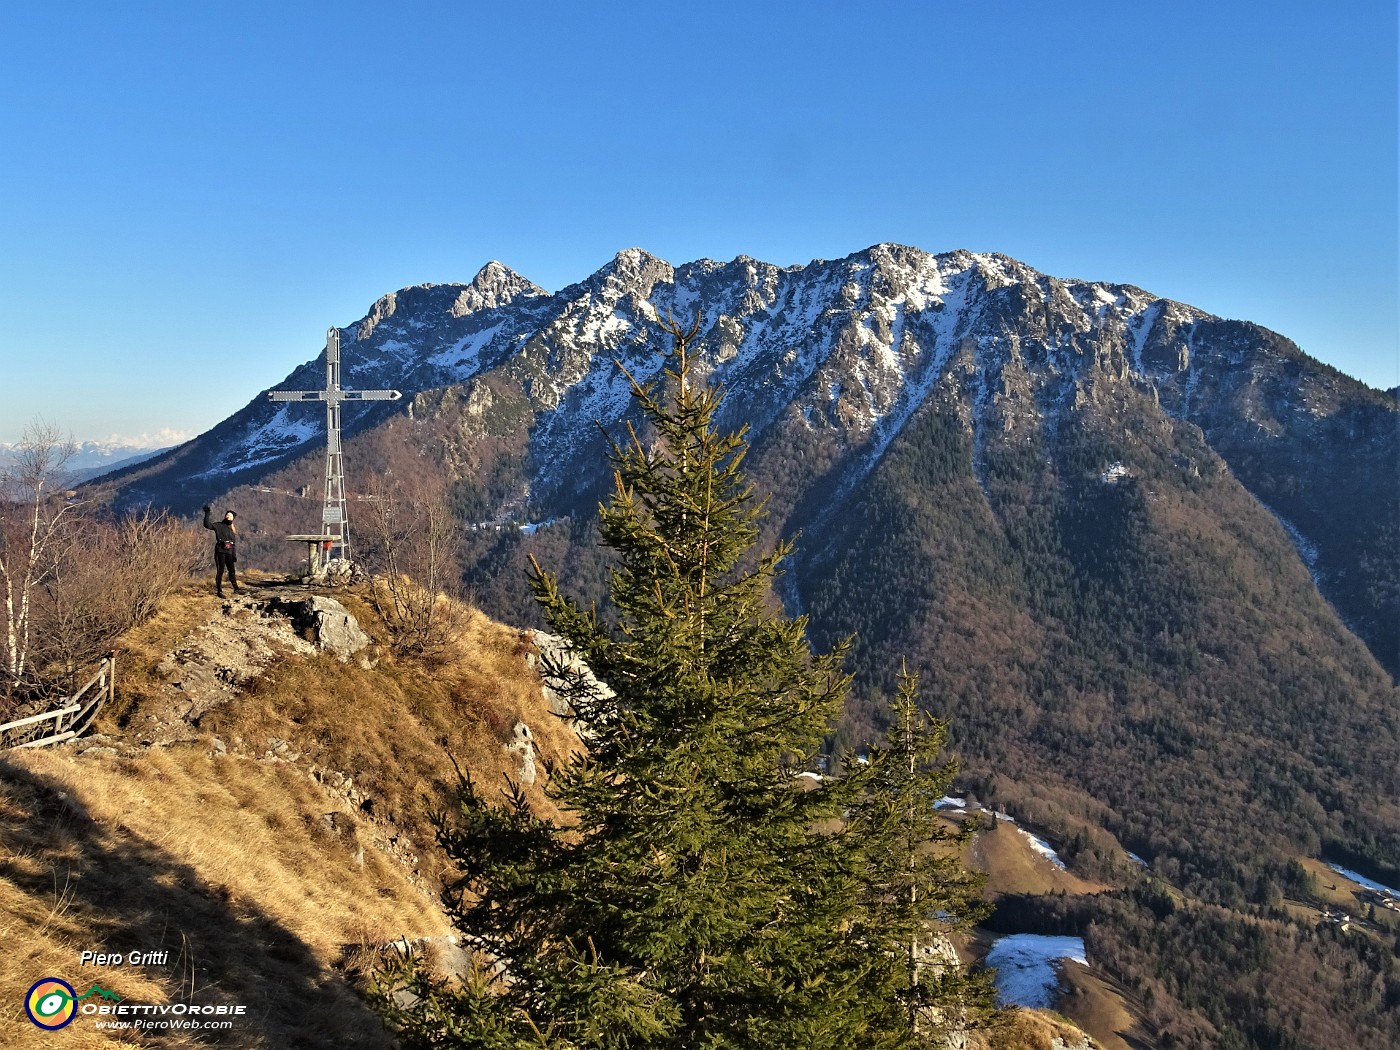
<point>71,720</point>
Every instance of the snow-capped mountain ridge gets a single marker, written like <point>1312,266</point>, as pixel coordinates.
<point>846,351</point>
<point>434,335</point>
<point>858,342</point>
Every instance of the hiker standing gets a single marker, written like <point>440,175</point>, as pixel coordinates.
<point>225,551</point>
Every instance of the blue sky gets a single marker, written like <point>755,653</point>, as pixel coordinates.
<point>191,193</point>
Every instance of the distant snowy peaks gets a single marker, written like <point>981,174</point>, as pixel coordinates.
<point>91,458</point>
<point>114,447</point>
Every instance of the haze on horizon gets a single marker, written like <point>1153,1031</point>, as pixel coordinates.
<point>192,196</point>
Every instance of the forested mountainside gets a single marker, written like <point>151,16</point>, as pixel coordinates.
<point>1143,556</point>
<point>829,362</point>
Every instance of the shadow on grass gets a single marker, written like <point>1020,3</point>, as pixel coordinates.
<point>125,893</point>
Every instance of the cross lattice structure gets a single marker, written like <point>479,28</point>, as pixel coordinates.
<point>334,522</point>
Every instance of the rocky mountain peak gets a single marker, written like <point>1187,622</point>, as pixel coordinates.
<point>382,309</point>
<point>632,270</point>
<point>635,259</point>
<point>494,285</point>
<point>851,350</point>
<point>891,254</point>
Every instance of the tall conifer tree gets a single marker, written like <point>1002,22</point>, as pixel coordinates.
<point>697,896</point>
<point>915,890</point>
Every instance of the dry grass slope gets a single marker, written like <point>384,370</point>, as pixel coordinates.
<point>261,871</point>
<point>270,844</point>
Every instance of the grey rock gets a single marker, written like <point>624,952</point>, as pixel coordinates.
<point>325,623</point>
<point>523,744</point>
<point>562,670</point>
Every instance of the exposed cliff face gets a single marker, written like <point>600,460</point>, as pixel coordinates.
<point>828,363</point>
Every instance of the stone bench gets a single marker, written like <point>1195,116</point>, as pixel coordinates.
<point>316,548</point>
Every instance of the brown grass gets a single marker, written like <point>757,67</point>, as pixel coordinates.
<point>229,861</point>
<point>141,649</point>
<point>1027,1030</point>
<point>1014,868</point>
<point>397,729</point>
<point>223,862</point>
<point>1102,1007</point>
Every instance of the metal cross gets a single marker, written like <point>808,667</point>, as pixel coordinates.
<point>333,518</point>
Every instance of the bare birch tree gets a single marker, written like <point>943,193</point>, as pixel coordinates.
<point>33,508</point>
<point>106,578</point>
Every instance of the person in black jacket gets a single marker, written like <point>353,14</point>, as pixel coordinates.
<point>225,550</point>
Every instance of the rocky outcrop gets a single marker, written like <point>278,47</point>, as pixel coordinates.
<point>558,665</point>
<point>522,745</point>
<point>936,955</point>
<point>325,623</point>
<point>250,633</point>
<point>221,657</point>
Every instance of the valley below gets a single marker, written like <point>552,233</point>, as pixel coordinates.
<point>252,812</point>
<point>1142,558</point>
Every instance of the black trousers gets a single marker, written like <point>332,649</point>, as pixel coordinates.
<point>224,560</point>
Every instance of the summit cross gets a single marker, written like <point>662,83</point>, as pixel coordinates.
<point>334,523</point>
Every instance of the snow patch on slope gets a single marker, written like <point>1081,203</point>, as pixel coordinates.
<point>1307,550</point>
<point>463,356</point>
<point>1028,967</point>
<point>951,291</point>
<point>1043,848</point>
<point>1138,329</point>
<point>1362,880</point>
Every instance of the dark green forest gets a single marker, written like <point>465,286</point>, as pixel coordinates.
<point>1152,642</point>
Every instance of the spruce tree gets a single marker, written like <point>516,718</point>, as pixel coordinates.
<point>695,896</point>
<point>915,890</point>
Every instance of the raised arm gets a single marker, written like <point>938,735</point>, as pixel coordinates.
<point>207,523</point>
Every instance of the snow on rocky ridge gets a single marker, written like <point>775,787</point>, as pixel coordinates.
<point>835,355</point>
<point>856,343</point>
